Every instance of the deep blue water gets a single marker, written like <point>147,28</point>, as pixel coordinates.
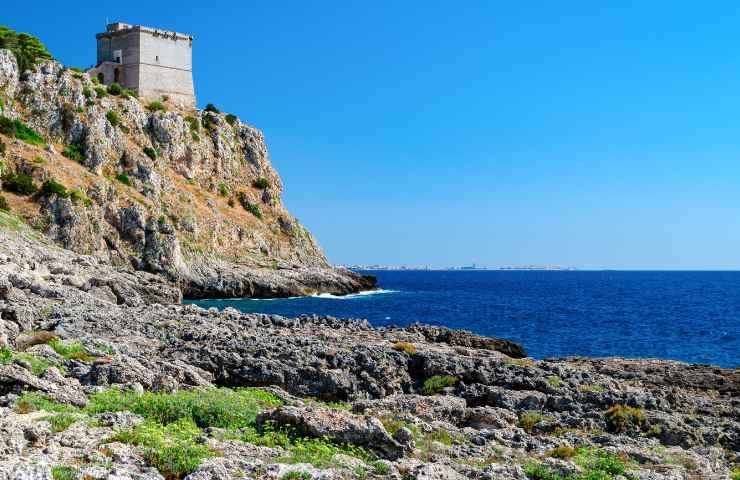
<point>690,316</point>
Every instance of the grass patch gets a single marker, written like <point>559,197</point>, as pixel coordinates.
<point>588,388</point>
<point>156,106</point>
<point>123,178</point>
<point>39,365</point>
<point>621,418</point>
<point>172,449</point>
<point>318,452</point>
<point>74,151</point>
<point>404,347</point>
<point>71,351</point>
<point>437,383</point>
<point>4,206</point>
<point>150,152</point>
<point>596,465</point>
<point>563,453</point>
<point>249,206</point>
<point>34,401</point>
<point>520,362</point>
<point>19,183</point>
<point>62,421</point>
<point>215,407</point>
<point>171,435</point>
<point>223,190</point>
<point>554,381</point>
<point>52,187</point>
<point>61,472</point>
<point>295,475</point>
<point>528,420</point>
<point>21,131</point>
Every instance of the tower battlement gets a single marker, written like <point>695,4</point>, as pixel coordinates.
<point>152,62</point>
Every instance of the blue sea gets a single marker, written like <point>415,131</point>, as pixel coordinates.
<point>689,316</point>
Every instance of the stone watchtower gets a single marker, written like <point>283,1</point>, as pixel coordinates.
<point>153,63</point>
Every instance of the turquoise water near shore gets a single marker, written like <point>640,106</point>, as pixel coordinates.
<point>689,316</point>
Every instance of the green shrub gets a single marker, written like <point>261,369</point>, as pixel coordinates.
<point>100,92</point>
<point>123,178</point>
<point>19,183</point>
<point>595,465</point>
<point>193,122</point>
<point>195,136</point>
<point>61,472</point>
<point>528,420</point>
<point>381,468</point>
<point>554,381</point>
<point>173,449</point>
<point>223,189</point>
<point>622,418</point>
<point>113,117</point>
<point>52,187</point>
<point>150,152</point>
<point>6,355</point>
<point>735,474</point>
<point>7,126</point>
<point>27,49</point>
<point>207,121</point>
<point>156,106</point>
<point>230,119</point>
<point>261,183</point>
<point>212,108</point>
<point>434,385</point>
<point>128,93</point>
<point>87,93</point>
<point>115,89</point>
<point>249,206</point>
<point>77,196</point>
<point>563,453</point>
<point>28,135</point>
<point>2,151</point>
<point>4,204</point>
<point>296,475</point>
<point>95,81</point>
<point>75,151</point>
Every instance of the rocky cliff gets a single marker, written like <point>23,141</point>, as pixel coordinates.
<point>98,380</point>
<point>190,195</point>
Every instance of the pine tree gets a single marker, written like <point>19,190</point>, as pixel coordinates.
<point>28,50</point>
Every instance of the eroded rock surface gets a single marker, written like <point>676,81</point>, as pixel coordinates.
<point>495,416</point>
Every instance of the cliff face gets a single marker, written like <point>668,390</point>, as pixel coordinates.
<point>188,194</point>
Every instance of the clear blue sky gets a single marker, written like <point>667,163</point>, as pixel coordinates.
<point>593,134</point>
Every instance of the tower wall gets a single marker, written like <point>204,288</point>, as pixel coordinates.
<point>154,63</point>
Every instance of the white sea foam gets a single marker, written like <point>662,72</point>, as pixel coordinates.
<point>354,295</point>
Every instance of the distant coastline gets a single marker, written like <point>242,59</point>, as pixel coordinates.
<point>466,268</point>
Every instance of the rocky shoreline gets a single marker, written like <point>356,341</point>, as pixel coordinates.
<point>104,375</point>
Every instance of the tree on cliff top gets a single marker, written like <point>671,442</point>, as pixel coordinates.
<point>28,50</point>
